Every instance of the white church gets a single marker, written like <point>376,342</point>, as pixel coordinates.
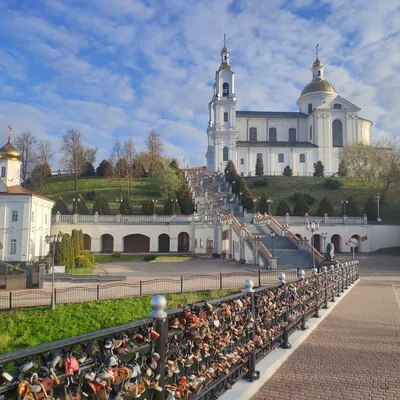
<point>324,123</point>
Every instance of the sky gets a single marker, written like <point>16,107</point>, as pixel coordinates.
<point>121,68</point>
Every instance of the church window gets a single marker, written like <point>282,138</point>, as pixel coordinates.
<point>281,158</point>
<point>13,246</point>
<point>225,90</point>
<point>14,216</point>
<point>225,117</point>
<point>253,135</point>
<point>272,134</point>
<point>3,172</point>
<point>310,132</point>
<point>225,154</point>
<point>309,108</point>
<point>337,106</point>
<point>242,161</point>
<point>302,158</point>
<point>292,134</point>
<point>337,133</point>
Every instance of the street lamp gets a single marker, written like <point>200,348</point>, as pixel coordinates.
<point>174,201</point>
<point>313,227</point>
<point>255,205</point>
<point>269,201</point>
<point>155,201</point>
<point>52,240</point>
<point>272,234</point>
<point>377,204</point>
<point>324,236</point>
<point>76,200</point>
<point>344,202</point>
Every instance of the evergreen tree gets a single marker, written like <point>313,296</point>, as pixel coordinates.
<point>174,164</point>
<point>263,203</point>
<point>300,207</point>
<point>88,169</point>
<point>370,208</point>
<point>171,207</point>
<point>325,206</point>
<point>352,209</point>
<point>125,207</point>
<point>342,171</point>
<point>147,207</point>
<point>230,172</point>
<point>185,200</point>
<point>319,169</point>
<point>81,206</point>
<point>247,199</point>
<point>105,169</point>
<point>282,208</point>
<point>138,170</point>
<point>287,171</point>
<point>101,206</point>
<point>61,206</point>
<point>259,166</point>
<point>75,245</point>
<point>81,241</point>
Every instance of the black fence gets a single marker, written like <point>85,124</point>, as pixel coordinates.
<point>122,290</point>
<point>197,352</point>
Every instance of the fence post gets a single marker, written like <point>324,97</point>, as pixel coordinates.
<point>301,275</point>
<point>98,292</point>
<point>140,289</point>
<point>158,304</point>
<point>346,269</point>
<point>338,281</point>
<point>55,296</point>
<point>252,375</point>
<point>259,277</point>
<point>325,272</point>
<point>220,280</point>
<point>315,275</point>
<point>181,284</point>
<point>285,344</point>
<point>333,283</point>
<point>342,278</point>
<point>10,300</point>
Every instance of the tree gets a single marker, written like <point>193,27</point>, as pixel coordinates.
<point>148,207</point>
<point>24,143</point>
<point>325,207</point>
<point>61,207</point>
<point>129,155</point>
<point>230,172</point>
<point>352,209</point>
<point>259,166</point>
<point>287,171</point>
<point>185,200</point>
<point>342,171</point>
<point>282,208</point>
<point>247,199</point>
<point>167,182</point>
<point>101,206</point>
<point>174,164</point>
<point>118,164</point>
<point>319,169</point>
<point>138,170</point>
<point>75,154</point>
<point>370,208</point>
<point>104,169</point>
<point>154,148</point>
<point>263,203</point>
<point>41,161</point>
<point>171,207</point>
<point>125,207</point>
<point>300,207</point>
<point>75,246</point>
<point>81,206</point>
<point>88,169</point>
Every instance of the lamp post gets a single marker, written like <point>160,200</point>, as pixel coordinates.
<point>255,205</point>
<point>324,236</point>
<point>272,234</point>
<point>154,206</point>
<point>344,202</point>
<point>269,201</point>
<point>52,240</point>
<point>377,205</point>
<point>174,201</point>
<point>313,227</point>
<point>76,200</point>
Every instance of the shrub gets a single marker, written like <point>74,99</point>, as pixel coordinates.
<point>89,255</point>
<point>332,184</point>
<point>101,206</point>
<point>342,169</point>
<point>300,207</point>
<point>261,182</point>
<point>282,208</point>
<point>125,207</point>
<point>370,208</point>
<point>287,171</point>
<point>147,207</point>
<point>116,254</point>
<point>259,166</point>
<point>319,169</point>
<point>306,197</point>
<point>90,195</point>
<point>325,207</point>
<point>149,257</point>
<point>82,261</point>
<point>61,206</point>
<point>352,209</point>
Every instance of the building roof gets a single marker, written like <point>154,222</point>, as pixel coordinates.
<point>318,85</point>
<point>275,144</point>
<point>270,114</point>
<point>20,191</point>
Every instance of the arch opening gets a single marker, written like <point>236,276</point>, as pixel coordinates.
<point>183,242</point>
<point>87,242</point>
<point>210,246</point>
<point>358,248</point>
<point>336,240</point>
<point>107,243</point>
<point>136,243</point>
<point>163,243</point>
<point>317,242</point>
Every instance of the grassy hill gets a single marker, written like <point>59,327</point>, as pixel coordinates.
<point>282,187</point>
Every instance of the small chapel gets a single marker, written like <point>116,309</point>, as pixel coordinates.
<point>323,124</point>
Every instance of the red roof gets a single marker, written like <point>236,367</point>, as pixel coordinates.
<point>20,191</point>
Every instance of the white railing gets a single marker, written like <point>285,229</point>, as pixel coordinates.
<point>65,218</point>
<point>294,220</point>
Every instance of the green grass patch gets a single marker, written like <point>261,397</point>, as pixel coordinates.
<point>176,257</point>
<point>27,327</point>
<point>108,258</point>
<point>84,270</point>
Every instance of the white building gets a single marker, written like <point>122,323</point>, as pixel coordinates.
<point>25,216</point>
<point>324,123</point>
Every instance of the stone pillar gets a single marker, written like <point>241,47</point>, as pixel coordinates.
<point>118,218</point>
<point>287,218</point>
<point>344,219</point>
<point>58,217</point>
<point>173,244</point>
<point>193,237</point>
<point>365,222</point>
<point>274,263</point>
<point>241,244</point>
<point>96,217</point>
<point>326,218</point>
<point>74,218</point>
<point>230,254</point>
<point>41,275</point>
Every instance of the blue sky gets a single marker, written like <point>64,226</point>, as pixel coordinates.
<point>120,68</point>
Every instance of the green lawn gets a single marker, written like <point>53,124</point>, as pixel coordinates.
<point>84,270</point>
<point>65,186</point>
<point>22,328</point>
<point>108,258</point>
<point>281,187</point>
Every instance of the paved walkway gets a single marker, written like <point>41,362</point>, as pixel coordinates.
<point>354,353</point>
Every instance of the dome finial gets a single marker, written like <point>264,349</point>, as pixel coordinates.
<point>224,39</point>
<point>9,133</point>
<point>316,49</point>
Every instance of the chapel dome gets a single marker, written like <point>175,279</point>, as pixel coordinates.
<point>320,85</point>
<point>8,151</point>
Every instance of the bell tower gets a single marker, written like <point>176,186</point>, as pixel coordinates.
<point>221,131</point>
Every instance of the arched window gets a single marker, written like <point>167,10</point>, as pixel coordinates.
<point>309,108</point>
<point>225,90</point>
<point>225,117</point>
<point>292,135</point>
<point>253,135</point>
<point>272,134</point>
<point>337,133</point>
<point>310,132</point>
<point>3,172</point>
<point>225,155</point>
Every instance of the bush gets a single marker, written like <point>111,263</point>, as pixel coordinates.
<point>352,209</point>
<point>147,207</point>
<point>370,208</point>
<point>325,207</point>
<point>116,254</point>
<point>101,206</point>
<point>89,255</point>
<point>261,182</point>
<point>149,257</point>
<point>90,195</point>
<point>306,197</point>
<point>82,261</point>
<point>259,166</point>
<point>287,171</point>
<point>282,208</point>
<point>300,208</point>
<point>319,169</point>
<point>332,184</point>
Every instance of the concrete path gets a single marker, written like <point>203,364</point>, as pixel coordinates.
<point>355,352</point>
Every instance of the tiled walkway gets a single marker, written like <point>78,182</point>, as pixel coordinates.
<point>353,354</point>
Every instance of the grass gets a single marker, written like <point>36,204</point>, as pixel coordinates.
<point>281,187</point>
<point>27,327</point>
<point>108,258</point>
<point>65,186</point>
<point>84,270</point>
<point>176,257</point>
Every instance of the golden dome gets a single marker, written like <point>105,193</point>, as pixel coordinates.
<point>317,63</point>
<point>319,85</point>
<point>9,151</point>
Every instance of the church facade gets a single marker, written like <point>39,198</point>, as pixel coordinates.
<point>323,124</point>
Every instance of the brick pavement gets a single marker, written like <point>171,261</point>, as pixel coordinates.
<point>353,354</point>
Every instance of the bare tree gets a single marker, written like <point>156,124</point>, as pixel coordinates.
<point>75,154</point>
<point>24,143</point>
<point>154,148</point>
<point>129,155</point>
<point>41,160</point>
<point>116,160</point>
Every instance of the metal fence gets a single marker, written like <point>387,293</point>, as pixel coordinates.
<point>196,352</point>
<point>122,290</point>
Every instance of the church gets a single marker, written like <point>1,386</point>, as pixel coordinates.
<point>323,124</point>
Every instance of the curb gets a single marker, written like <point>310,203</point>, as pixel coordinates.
<point>243,390</point>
